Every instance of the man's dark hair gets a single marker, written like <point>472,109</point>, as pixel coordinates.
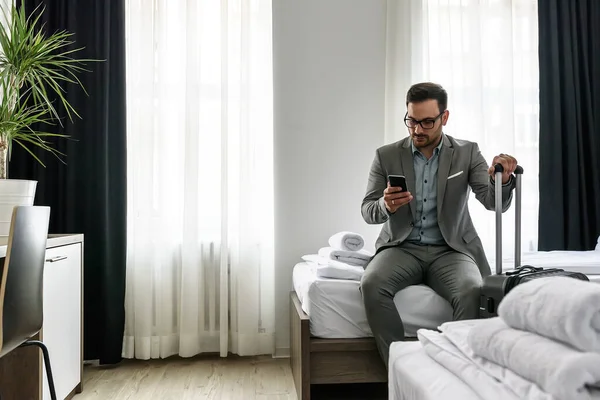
<point>420,92</point>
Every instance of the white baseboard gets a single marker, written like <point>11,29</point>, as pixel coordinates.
<point>282,352</point>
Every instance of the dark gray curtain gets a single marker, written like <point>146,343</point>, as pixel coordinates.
<point>88,194</point>
<point>569,57</point>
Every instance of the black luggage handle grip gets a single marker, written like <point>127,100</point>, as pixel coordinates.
<point>500,168</point>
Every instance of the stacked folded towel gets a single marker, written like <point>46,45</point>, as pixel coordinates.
<point>359,258</point>
<point>559,308</point>
<point>555,326</point>
<point>344,258</point>
<point>489,380</point>
<point>345,240</point>
<point>545,343</point>
<point>558,369</point>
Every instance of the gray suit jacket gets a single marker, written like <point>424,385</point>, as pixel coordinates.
<point>454,219</point>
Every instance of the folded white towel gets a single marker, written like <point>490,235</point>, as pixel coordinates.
<point>360,257</point>
<point>457,332</point>
<point>346,272</point>
<point>442,350</point>
<point>556,368</point>
<point>560,308</point>
<point>347,241</point>
<point>332,269</point>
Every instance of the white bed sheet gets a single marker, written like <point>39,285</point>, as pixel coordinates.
<point>336,310</point>
<point>587,262</point>
<point>413,375</point>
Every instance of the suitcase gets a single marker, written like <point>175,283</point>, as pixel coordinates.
<point>496,286</point>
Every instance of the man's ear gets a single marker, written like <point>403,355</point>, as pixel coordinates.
<point>445,117</point>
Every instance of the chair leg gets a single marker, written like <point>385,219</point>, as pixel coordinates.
<point>46,356</point>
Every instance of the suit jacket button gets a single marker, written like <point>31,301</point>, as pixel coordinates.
<point>412,224</point>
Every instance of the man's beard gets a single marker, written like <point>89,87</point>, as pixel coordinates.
<point>423,140</point>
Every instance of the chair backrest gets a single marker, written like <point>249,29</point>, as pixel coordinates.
<point>21,284</point>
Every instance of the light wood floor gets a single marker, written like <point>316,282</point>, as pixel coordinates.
<point>208,377</point>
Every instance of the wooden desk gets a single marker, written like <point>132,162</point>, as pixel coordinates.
<point>22,372</point>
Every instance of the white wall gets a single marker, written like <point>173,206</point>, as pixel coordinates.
<point>329,71</point>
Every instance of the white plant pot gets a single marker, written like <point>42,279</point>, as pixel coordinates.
<point>14,192</point>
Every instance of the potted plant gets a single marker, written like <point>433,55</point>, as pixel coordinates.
<point>33,68</point>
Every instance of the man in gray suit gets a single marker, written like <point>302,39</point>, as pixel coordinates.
<point>428,235</point>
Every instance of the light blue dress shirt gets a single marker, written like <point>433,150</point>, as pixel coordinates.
<point>426,230</point>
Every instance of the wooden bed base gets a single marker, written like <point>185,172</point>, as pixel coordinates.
<point>317,361</point>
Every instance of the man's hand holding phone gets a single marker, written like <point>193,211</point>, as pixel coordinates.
<point>396,194</point>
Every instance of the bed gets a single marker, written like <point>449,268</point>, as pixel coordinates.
<point>587,262</point>
<point>330,338</point>
<point>331,341</point>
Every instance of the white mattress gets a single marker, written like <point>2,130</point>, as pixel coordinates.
<point>413,375</point>
<point>587,262</point>
<point>335,307</point>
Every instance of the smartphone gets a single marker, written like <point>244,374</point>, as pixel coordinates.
<point>398,181</point>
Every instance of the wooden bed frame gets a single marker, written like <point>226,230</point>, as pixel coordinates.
<point>318,361</point>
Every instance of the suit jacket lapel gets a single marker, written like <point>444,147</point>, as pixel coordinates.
<point>443,171</point>
<point>409,172</point>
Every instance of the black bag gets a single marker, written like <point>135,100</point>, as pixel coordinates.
<point>495,287</point>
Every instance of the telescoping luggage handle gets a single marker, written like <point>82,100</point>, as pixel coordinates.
<point>498,169</point>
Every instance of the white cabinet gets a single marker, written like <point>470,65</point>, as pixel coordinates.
<point>22,375</point>
<point>62,327</point>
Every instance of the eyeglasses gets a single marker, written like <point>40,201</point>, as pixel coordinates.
<point>426,123</point>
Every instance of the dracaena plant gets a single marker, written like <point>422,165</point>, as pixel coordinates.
<point>34,69</point>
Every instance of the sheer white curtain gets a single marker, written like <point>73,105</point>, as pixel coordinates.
<point>484,52</point>
<point>200,189</point>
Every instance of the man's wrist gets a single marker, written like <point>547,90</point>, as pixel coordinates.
<point>386,212</point>
<point>508,183</point>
